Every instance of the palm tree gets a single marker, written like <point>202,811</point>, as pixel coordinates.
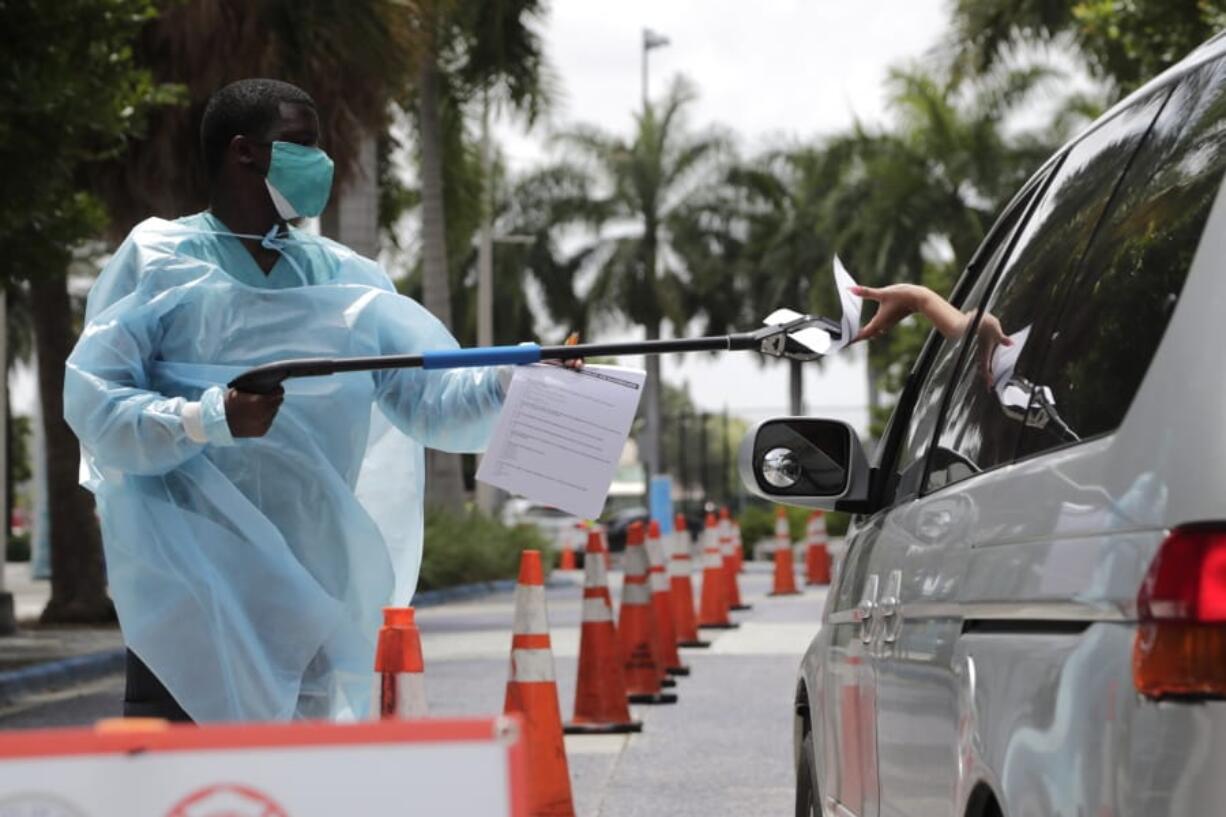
<point>777,205</point>
<point>468,47</point>
<point>1123,44</point>
<point>639,190</point>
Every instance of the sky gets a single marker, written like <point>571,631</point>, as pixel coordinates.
<point>772,72</point>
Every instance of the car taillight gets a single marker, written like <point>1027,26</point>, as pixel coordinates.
<point>1180,646</point>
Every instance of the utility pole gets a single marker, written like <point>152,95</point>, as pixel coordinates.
<point>702,455</point>
<point>487,497</point>
<point>652,436</point>
<point>8,616</point>
<point>726,479</point>
<point>681,462</point>
<point>650,40</point>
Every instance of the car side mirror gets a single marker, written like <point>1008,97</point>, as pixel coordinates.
<point>805,461</point>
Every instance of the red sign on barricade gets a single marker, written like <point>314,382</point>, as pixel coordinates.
<point>453,767</point>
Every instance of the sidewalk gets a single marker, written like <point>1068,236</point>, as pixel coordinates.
<point>38,658</point>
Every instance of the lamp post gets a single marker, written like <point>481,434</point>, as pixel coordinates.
<point>651,40</point>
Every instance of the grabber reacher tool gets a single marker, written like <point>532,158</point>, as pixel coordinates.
<point>777,341</point>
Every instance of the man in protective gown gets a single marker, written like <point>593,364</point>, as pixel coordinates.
<point>252,540</point>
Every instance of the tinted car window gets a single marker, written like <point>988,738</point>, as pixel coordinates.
<point>1116,314</point>
<point>927,407</point>
<point>988,403</point>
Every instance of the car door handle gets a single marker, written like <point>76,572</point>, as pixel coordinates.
<point>888,608</point>
<point>863,614</point>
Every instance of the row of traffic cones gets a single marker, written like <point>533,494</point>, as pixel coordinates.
<point>816,553</point>
<point>628,663</point>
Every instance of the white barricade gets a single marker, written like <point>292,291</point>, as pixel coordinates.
<point>453,767</point>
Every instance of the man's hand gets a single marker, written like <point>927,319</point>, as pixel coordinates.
<point>576,363</point>
<point>251,415</point>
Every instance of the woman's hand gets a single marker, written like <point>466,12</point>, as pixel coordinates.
<point>900,300</point>
<point>895,302</point>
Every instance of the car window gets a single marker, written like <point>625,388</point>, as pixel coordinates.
<point>985,409</point>
<point>1118,310</point>
<point>927,405</point>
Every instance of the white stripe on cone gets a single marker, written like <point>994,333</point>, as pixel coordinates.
<point>595,575</point>
<point>531,666</point>
<point>410,695</point>
<point>679,563</point>
<point>636,594</point>
<point>596,610</point>
<point>530,616</point>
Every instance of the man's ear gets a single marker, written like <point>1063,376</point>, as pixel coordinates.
<point>243,152</point>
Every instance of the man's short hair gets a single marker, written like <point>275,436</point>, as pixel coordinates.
<point>249,107</point>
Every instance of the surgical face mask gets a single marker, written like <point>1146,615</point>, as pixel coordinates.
<point>299,180</point>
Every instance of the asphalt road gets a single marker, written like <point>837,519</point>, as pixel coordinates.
<point>723,751</point>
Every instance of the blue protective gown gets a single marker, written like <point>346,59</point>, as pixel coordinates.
<point>250,574</point>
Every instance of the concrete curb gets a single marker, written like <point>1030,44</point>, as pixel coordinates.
<point>433,598</point>
<point>80,669</point>
<point>62,672</point>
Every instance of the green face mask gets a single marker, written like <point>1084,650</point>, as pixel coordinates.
<point>299,180</point>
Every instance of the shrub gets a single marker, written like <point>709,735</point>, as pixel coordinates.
<point>471,547</point>
<point>757,522</point>
<point>19,547</point>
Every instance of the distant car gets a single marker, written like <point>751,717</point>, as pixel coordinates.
<point>620,522</point>
<point>549,520</point>
<point>1030,618</point>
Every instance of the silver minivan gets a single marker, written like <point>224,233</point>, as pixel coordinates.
<point>1030,618</point>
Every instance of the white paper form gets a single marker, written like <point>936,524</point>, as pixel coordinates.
<point>819,340</point>
<point>561,434</point>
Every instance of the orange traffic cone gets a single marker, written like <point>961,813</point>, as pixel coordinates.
<point>533,695</point>
<point>636,627</point>
<point>713,612</point>
<point>662,603</point>
<point>571,538</point>
<point>604,544</point>
<point>600,692</point>
<point>400,685</point>
<point>817,555</point>
<point>683,588</point>
<point>732,566</point>
<point>785,569</point>
<point>738,547</point>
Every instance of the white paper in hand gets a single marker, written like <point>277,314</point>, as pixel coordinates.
<point>853,305</point>
<point>560,435</point>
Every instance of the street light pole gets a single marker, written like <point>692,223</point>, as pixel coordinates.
<point>650,40</point>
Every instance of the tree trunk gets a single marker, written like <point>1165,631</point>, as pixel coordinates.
<point>353,216</point>
<point>444,478</point>
<point>796,388</point>
<point>651,394</point>
<point>78,577</point>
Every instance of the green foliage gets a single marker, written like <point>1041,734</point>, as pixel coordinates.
<point>472,547</point>
<point>71,95</point>
<point>757,522</point>
<point>1124,42</point>
<point>19,449</point>
<point>18,547</point>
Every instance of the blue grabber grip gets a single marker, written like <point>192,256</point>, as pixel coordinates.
<point>486,356</point>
